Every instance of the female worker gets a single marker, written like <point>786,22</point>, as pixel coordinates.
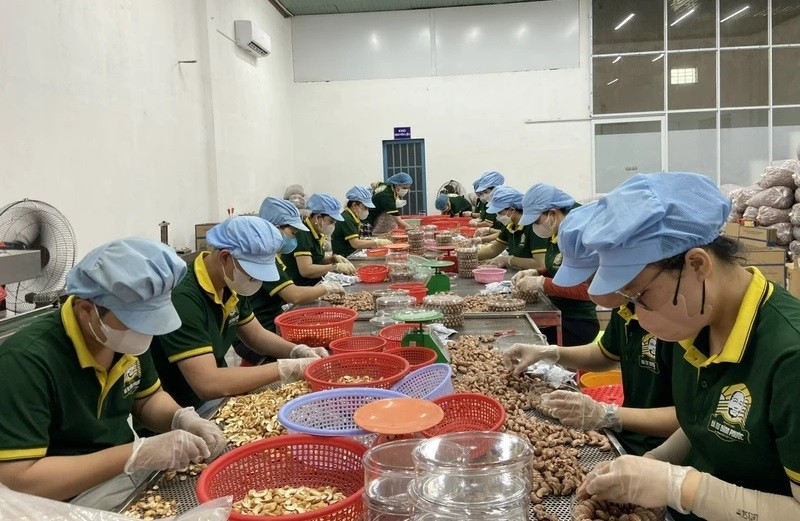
<point>346,236</point>
<point>647,416</point>
<point>388,199</point>
<point>544,208</point>
<point>307,264</point>
<point>659,247</point>
<point>516,245</point>
<point>453,205</point>
<point>484,186</point>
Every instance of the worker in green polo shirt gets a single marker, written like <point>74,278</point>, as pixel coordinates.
<point>388,199</point>
<point>737,454</point>
<point>346,237</point>
<point>308,263</point>
<point>647,415</point>
<point>69,381</point>
<point>191,360</point>
<point>544,209</point>
<point>488,225</point>
<point>453,205</point>
<point>512,247</point>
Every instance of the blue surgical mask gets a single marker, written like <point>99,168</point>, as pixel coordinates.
<point>289,245</point>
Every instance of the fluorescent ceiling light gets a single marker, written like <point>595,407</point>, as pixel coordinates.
<point>737,13</point>
<point>618,58</point>
<point>681,17</point>
<point>683,76</point>
<point>658,57</point>
<point>615,80</point>
<point>626,20</point>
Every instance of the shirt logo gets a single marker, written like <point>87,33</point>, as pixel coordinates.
<point>647,360</point>
<point>131,379</point>
<point>233,316</point>
<point>729,421</point>
<point>558,260</point>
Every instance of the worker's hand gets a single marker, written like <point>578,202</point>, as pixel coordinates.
<point>475,222</point>
<point>339,258</point>
<point>345,268</point>
<point>188,420</point>
<point>483,232</point>
<point>519,357</point>
<point>634,479</point>
<point>523,274</point>
<point>501,261</point>
<point>169,451</point>
<point>531,284</point>
<point>303,351</point>
<point>582,412</point>
<point>332,287</point>
<point>382,242</point>
<point>291,370</point>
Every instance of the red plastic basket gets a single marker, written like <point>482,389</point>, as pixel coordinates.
<point>384,369</point>
<point>468,412</point>
<point>417,356</point>
<point>448,224</point>
<point>316,326</point>
<point>394,334</point>
<point>358,344</point>
<point>372,274</point>
<point>291,460</point>
<point>415,289</point>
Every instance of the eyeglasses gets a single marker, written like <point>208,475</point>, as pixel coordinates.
<point>636,300</point>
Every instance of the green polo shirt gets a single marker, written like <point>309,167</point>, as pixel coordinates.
<point>344,231</point>
<point>490,218</point>
<point>56,400</point>
<point>266,303</point>
<point>520,241</point>
<point>458,204</point>
<point>309,244</point>
<point>384,200</point>
<point>208,326</point>
<point>739,408</point>
<point>646,365</point>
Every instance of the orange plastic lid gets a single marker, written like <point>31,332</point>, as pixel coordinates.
<point>398,416</point>
<point>397,246</point>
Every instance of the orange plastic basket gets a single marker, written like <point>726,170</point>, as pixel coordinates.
<point>417,356</point>
<point>372,274</point>
<point>316,326</point>
<point>377,252</point>
<point>291,460</point>
<point>394,334</point>
<point>468,412</point>
<point>358,344</point>
<point>604,387</point>
<point>415,289</point>
<point>384,369</point>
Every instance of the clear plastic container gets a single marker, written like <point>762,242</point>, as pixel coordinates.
<point>377,512</point>
<point>386,306</point>
<point>451,306</point>
<point>388,471</point>
<point>399,268</point>
<point>509,509</point>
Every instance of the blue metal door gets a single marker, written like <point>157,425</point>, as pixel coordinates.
<point>407,155</point>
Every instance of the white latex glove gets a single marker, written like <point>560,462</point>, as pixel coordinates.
<point>483,232</point>
<point>475,222</point>
<point>531,284</point>
<point>345,268</point>
<point>582,412</point>
<point>519,357</point>
<point>523,274</point>
<point>339,258</point>
<point>291,370</point>
<point>169,451</point>
<point>188,420</point>
<point>634,479</point>
<point>332,287</point>
<point>501,261</point>
<point>382,242</point>
<point>475,241</point>
<point>303,351</point>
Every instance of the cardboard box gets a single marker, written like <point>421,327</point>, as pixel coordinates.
<point>200,244</point>
<point>200,230</point>
<point>604,316</point>
<point>731,230</point>
<point>793,278</point>
<point>770,261</point>
<point>757,236</point>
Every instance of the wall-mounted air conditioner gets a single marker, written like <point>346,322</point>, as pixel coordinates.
<point>251,38</point>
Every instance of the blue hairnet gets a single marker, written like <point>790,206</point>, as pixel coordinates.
<point>326,205</point>
<point>489,180</point>
<point>541,198</point>
<point>252,241</point>
<point>400,178</point>
<point>579,262</point>
<point>651,217</point>
<point>362,194</point>
<point>133,278</point>
<point>504,197</point>
<point>441,202</point>
<point>280,212</point>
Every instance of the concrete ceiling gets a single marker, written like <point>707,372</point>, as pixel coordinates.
<point>310,7</point>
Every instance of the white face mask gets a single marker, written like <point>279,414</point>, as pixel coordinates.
<point>128,342</point>
<point>485,197</point>
<point>325,228</point>
<point>402,192</point>
<point>544,230</point>
<point>362,213</point>
<point>504,219</point>
<point>400,203</point>
<point>242,283</point>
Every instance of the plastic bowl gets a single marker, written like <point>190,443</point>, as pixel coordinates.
<point>489,275</point>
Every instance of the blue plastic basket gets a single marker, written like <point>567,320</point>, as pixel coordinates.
<point>330,413</point>
<point>427,382</point>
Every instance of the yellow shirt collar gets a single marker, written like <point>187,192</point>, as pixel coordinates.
<point>757,294</point>
<point>626,314</point>
<point>70,322</point>
<point>204,279</point>
<point>355,217</point>
<point>513,228</point>
<point>317,237</point>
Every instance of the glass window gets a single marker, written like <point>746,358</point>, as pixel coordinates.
<point>785,133</point>
<point>627,26</point>
<point>786,76</point>
<point>742,22</point>
<point>691,24</point>
<point>744,145</point>
<point>785,21</point>
<point>623,149</point>
<point>744,78</point>
<point>628,84</point>
<point>692,139</point>
<point>692,80</point>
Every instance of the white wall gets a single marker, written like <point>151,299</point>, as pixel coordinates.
<point>470,124</point>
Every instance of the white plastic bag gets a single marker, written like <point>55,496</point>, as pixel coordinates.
<point>776,197</point>
<point>794,215</point>
<point>796,233</point>
<point>768,216</point>
<point>730,190</point>
<point>784,232</point>
<point>740,197</point>
<point>780,173</point>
